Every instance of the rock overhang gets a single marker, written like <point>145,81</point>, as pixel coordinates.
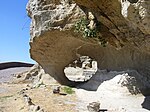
<point>54,43</point>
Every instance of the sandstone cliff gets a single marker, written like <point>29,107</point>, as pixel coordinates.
<point>123,23</point>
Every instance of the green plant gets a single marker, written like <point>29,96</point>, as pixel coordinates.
<point>90,33</point>
<point>68,90</point>
<point>81,26</point>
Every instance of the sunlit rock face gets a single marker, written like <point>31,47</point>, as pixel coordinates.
<point>124,24</point>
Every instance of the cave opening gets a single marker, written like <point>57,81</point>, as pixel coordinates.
<point>81,69</point>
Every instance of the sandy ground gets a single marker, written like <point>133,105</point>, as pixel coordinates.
<point>12,101</point>
<point>105,87</point>
<point>11,96</point>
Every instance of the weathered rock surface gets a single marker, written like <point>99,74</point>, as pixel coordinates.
<point>116,92</point>
<point>129,81</point>
<point>36,75</point>
<point>94,107</point>
<point>124,24</point>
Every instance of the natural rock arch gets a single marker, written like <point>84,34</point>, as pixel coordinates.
<point>54,43</point>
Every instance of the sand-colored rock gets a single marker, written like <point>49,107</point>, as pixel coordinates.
<point>124,24</point>
<point>36,75</point>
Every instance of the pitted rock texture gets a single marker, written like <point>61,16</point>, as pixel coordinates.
<point>124,24</point>
<point>52,15</point>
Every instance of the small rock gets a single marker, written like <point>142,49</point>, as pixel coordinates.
<point>94,107</point>
<point>56,90</point>
<point>27,100</point>
<point>31,108</point>
<point>18,76</point>
<point>36,108</point>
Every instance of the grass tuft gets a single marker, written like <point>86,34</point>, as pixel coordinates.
<point>68,90</point>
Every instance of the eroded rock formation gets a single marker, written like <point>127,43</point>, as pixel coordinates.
<point>123,23</point>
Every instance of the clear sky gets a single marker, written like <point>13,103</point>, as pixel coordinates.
<point>14,31</point>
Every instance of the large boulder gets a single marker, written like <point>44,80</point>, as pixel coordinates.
<point>123,23</point>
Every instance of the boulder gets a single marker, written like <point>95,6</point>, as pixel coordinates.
<point>123,23</point>
<point>94,107</point>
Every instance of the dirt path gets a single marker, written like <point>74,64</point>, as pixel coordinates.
<point>105,87</point>
<point>12,100</point>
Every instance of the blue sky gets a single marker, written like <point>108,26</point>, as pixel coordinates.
<point>14,31</point>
